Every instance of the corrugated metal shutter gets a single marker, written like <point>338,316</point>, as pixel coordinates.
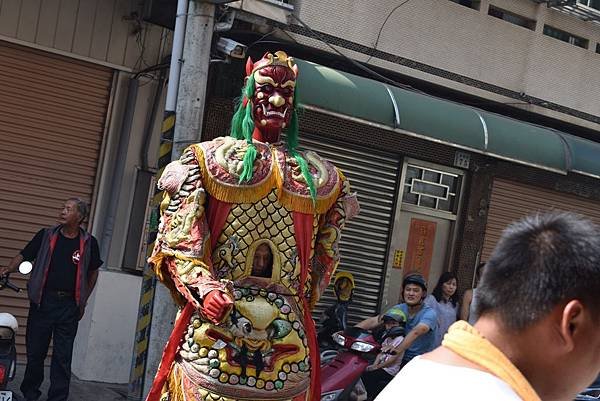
<point>511,201</point>
<point>364,242</point>
<point>52,117</point>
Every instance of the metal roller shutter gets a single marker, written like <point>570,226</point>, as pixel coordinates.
<point>511,201</point>
<point>52,117</point>
<point>364,242</point>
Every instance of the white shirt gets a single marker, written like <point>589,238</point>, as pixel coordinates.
<point>422,379</point>
<point>394,342</point>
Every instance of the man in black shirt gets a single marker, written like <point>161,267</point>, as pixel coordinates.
<point>64,274</point>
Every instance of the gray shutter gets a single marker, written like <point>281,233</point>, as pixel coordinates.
<point>511,201</point>
<point>52,116</point>
<point>364,244</point>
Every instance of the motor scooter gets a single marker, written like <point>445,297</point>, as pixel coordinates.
<point>8,332</point>
<point>341,373</point>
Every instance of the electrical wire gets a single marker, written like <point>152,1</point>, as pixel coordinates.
<point>151,69</point>
<point>144,150</point>
<point>354,62</point>
<point>382,25</point>
<point>260,40</point>
<point>140,40</point>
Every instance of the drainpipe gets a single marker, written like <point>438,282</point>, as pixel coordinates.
<point>117,174</point>
<point>186,95</point>
<point>176,54</point>
<point>193,83</point>
<point>147,350</point>
<point>190,101</point>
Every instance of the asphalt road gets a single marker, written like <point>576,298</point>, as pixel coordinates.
<point>80,390</point>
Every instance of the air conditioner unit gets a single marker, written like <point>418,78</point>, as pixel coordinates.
<point>160,12</point>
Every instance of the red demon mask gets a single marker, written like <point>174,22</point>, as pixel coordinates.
<point>273,101</point>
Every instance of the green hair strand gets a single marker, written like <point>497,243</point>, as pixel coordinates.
<point>291,134</point>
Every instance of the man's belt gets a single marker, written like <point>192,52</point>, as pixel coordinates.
<point>61,294</point>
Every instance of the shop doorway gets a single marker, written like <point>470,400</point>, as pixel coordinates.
<point>424,226</point>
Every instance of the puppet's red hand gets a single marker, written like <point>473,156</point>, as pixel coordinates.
<point>217,305</point>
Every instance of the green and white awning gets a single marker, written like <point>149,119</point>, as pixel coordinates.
<point>443,121</point>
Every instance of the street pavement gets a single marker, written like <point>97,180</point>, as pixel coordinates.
<point>81,390</point>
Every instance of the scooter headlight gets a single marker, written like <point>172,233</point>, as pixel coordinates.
<point>591,394</point>
<point>339,339</point>
<point>362,347</point>
<point>331,396</point>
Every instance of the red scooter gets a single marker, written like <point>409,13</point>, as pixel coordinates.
<point>340,373</point>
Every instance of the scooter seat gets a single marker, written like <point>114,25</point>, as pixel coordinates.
<point>8,320</point>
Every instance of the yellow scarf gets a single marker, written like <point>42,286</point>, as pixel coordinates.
<point>466,341</point>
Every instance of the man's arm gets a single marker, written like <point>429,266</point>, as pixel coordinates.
<point>12,266</point>
<point>92,278</point>
<point>91,282</point>
<point>370,323</point>
<point>28,253</point>
<point>410,338</point>
<point>466,305</point>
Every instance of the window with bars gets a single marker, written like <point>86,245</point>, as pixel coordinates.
<point>566,36</point>
<point>289,4</point>
<point>474,4</point>
<point>431,188</point>
<point>595,4</point>
<point>511,17</point>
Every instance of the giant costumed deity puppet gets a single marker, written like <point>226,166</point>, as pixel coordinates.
<point>248,241</point>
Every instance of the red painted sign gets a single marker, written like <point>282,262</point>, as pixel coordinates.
<point>419,249</point>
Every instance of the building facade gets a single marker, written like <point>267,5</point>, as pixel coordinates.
<point>450,118</point>
<point>79,79</point>
<point>525,67</point>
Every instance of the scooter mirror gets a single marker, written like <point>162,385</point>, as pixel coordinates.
<point>25,267</point>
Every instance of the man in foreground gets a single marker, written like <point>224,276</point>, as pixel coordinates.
<point>538,333</point>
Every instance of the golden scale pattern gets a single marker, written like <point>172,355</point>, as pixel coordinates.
<point>250,222</point>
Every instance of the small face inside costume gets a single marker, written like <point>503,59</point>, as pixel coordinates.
<point>262,264</point>
<point>273,98</point>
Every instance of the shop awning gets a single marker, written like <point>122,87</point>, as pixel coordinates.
<point>585,155</point>
<point>413,113</point>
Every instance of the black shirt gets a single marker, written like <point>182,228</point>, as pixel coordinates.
<point>63,264</point>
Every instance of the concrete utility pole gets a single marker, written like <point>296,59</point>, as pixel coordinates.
<point>194,76</point>
<point>191,99</point>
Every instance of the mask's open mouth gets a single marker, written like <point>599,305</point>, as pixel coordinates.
<point>273,113</point>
